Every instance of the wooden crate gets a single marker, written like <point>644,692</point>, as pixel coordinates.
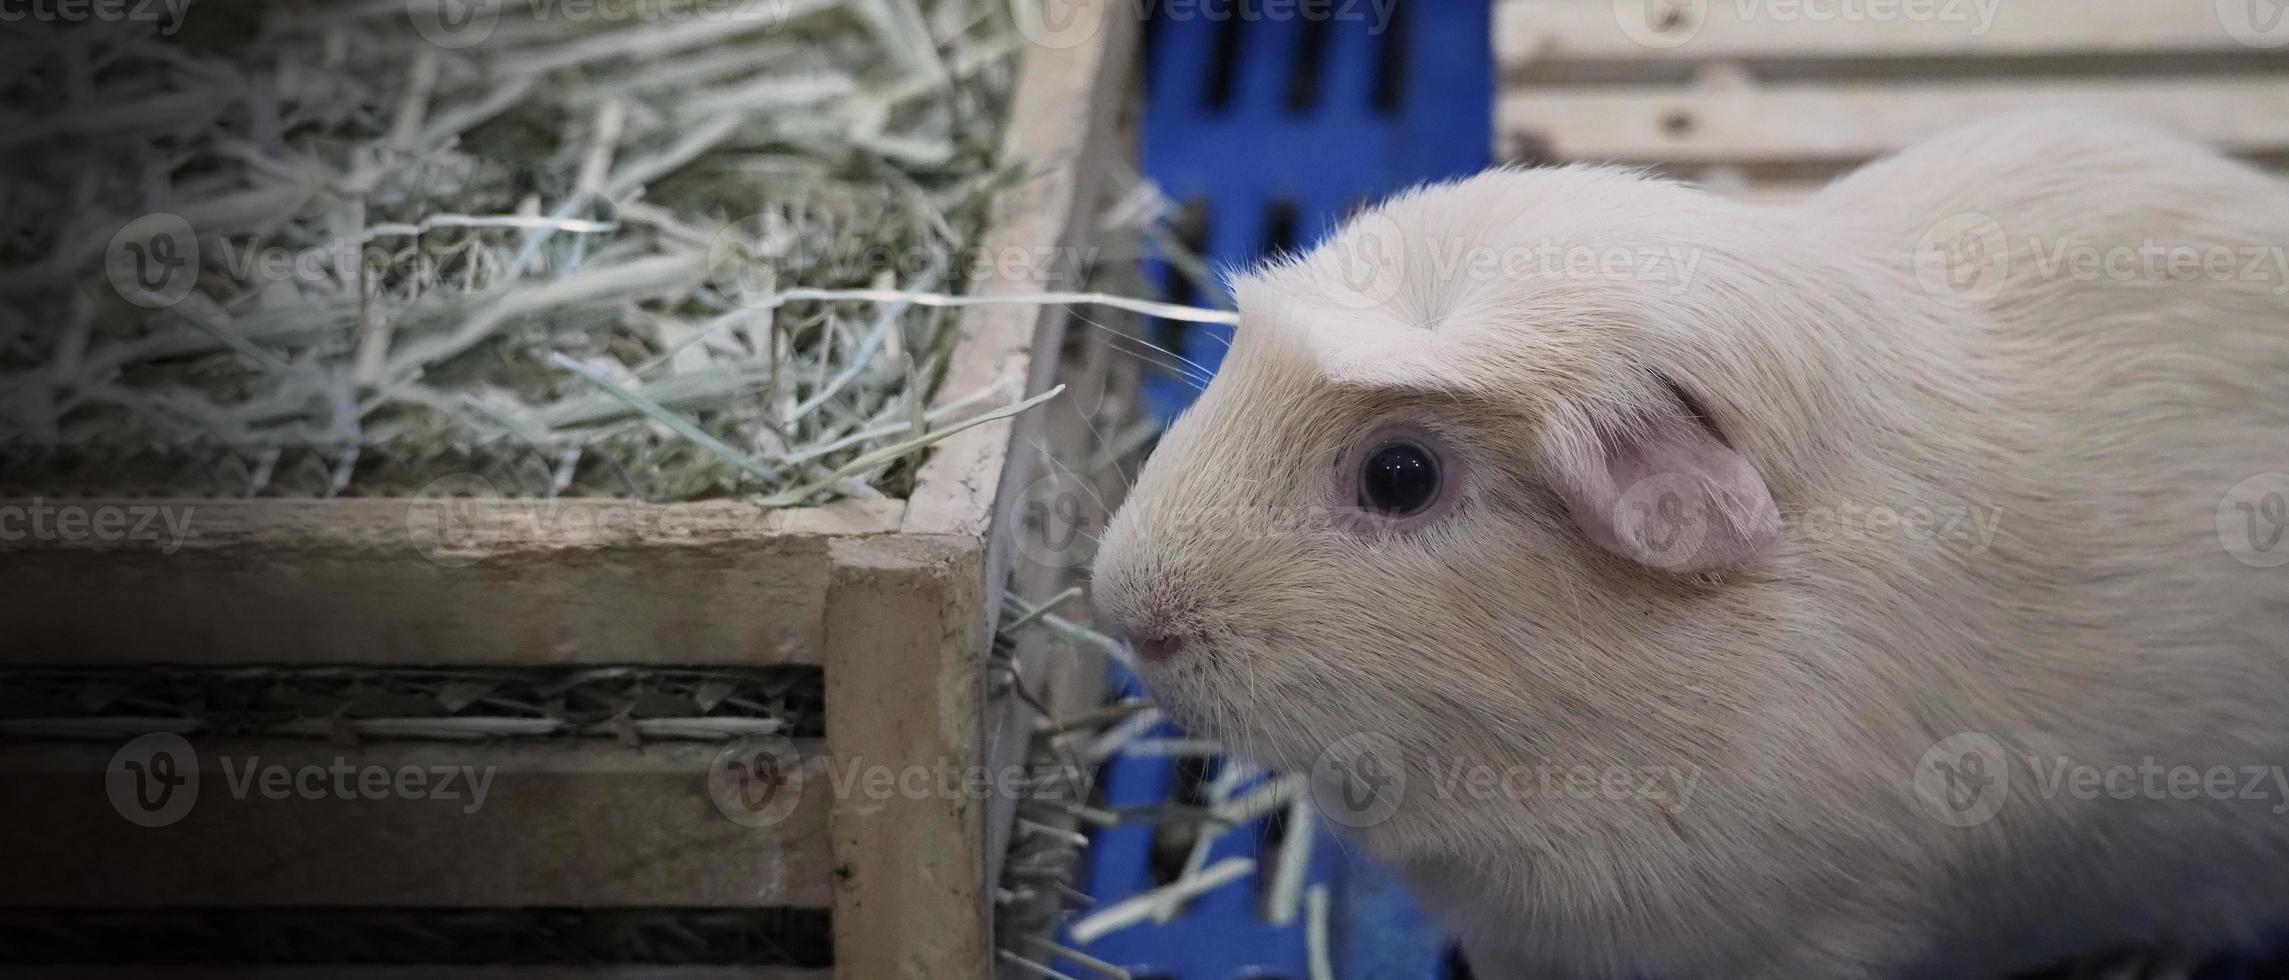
<point>894,601</point>
<point>1769,98</point>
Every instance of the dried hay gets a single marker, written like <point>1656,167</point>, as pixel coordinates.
<point>313,249</point>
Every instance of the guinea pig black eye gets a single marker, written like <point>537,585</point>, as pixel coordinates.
<point>1398,479</point>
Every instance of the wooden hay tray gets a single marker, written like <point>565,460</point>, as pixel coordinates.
<point>894,600</point>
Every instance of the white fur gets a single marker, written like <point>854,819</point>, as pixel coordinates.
<point>2094,425</point>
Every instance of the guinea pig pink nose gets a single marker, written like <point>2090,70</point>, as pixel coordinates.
<point>1153,646</point>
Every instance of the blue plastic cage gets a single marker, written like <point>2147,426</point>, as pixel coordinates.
<point>1269,130</point>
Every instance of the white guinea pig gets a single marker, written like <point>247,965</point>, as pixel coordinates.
<point>1666,586</point>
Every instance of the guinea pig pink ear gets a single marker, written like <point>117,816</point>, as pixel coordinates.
<point>1671,495</point>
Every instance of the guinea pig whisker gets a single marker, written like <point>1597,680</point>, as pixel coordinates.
<point>1187,372</point>
<point>1041,448</point>
<point>1196,367</point>
<point>1182,376</point>
<point>1194,370</point>
<point>1106,455</point>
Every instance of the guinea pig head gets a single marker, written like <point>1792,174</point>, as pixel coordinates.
<point>1447,491</point>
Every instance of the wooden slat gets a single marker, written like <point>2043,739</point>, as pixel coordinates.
<point>1848,122</point>
<point>1062,114</point>
<point>584,823</point>
<point>1065,681</point>
<point>366,581</point>
<point>905,685</point>
<point>1531,33</point>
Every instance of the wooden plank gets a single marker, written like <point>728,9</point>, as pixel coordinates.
<point>585,823</point>
<point>1067,682</point>
<point>1062,113</point>
<point>1055,557</point>
<point>1678,124</point>
<point>905,685</point>
<point>1531,34</point>
<point>427,581</point>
